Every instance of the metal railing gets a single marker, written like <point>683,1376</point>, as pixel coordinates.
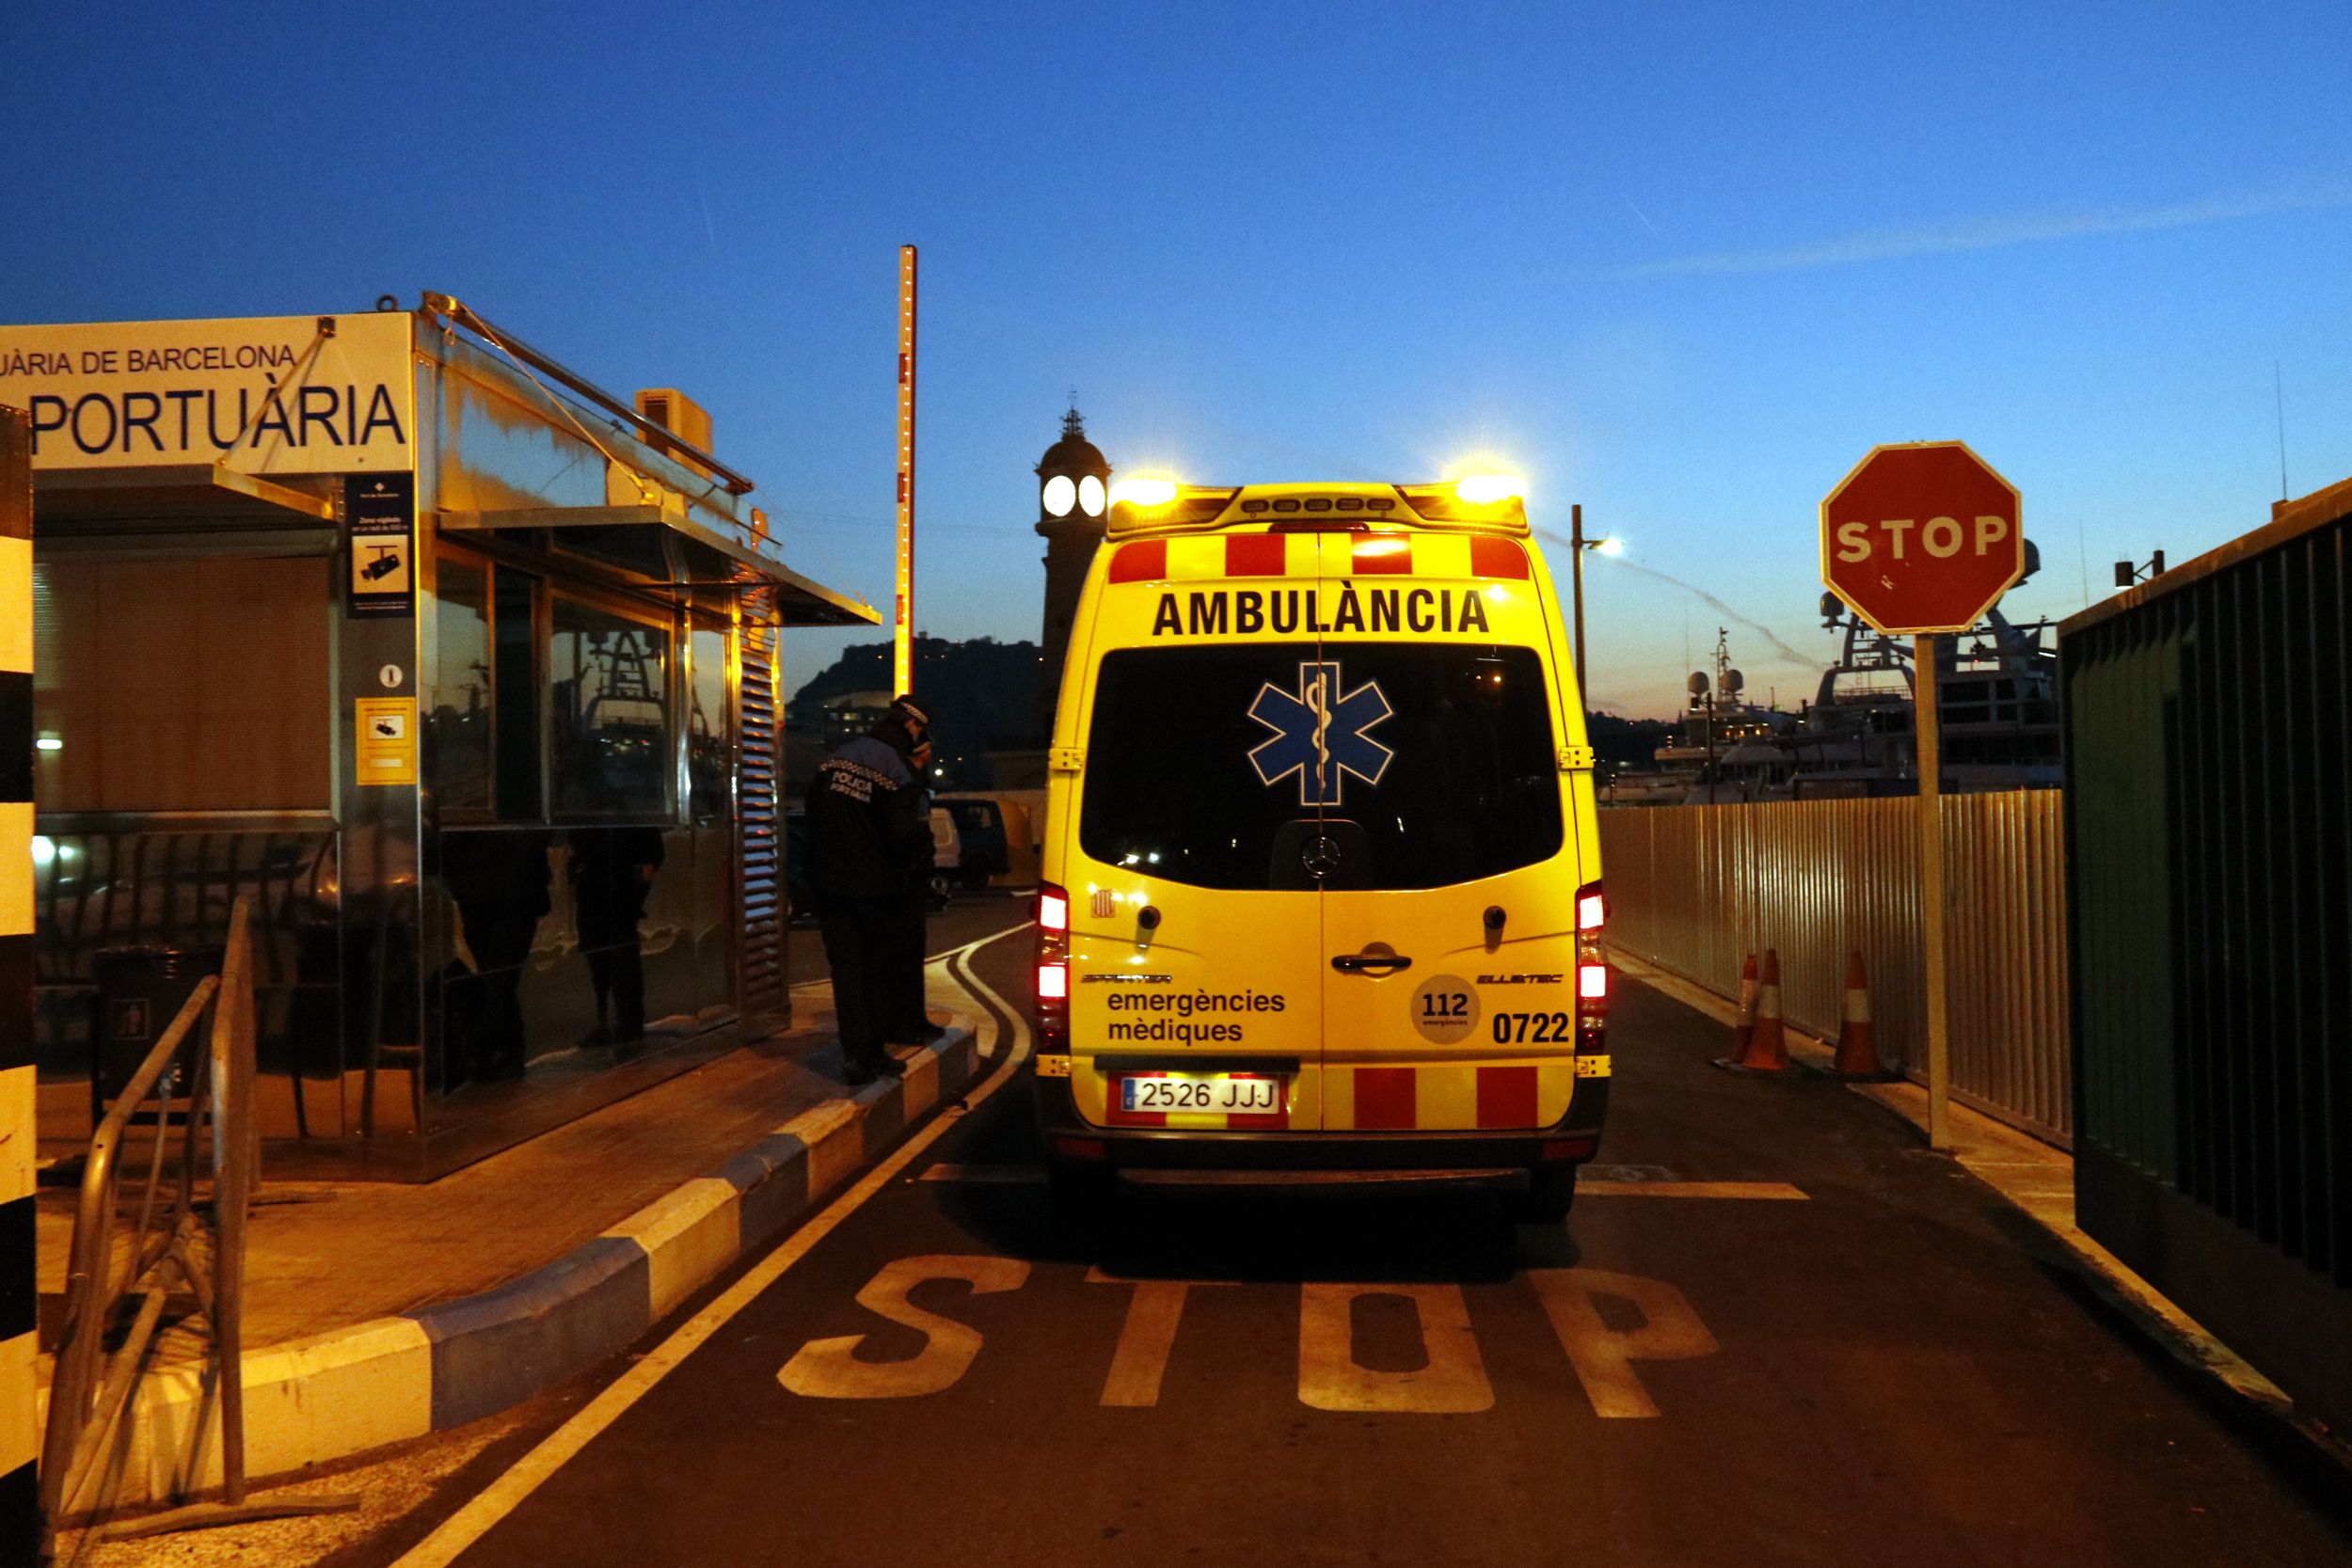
<point>180,1233</point>
<point>1695,889</point>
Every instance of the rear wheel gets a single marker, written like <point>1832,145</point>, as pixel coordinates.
<point>1551,1192</point>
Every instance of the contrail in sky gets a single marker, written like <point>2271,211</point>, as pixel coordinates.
<point>708,227</point>
<point>1638,213</point>
<point>1622,564</point>
<point>1989,233</point>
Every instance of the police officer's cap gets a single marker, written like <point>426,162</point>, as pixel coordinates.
<point>905,708</point>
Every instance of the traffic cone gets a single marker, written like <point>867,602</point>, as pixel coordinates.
<point>1758,1042</point>
<point>1767,1047</point>
<point>1857,1052</point>
<point>1744,1025</point>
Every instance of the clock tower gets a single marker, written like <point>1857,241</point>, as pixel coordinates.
<point>1073,496</point>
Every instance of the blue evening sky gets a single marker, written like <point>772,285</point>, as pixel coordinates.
<point>1683,263</point>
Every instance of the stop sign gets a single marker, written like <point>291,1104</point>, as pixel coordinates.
<point>1922,537</point>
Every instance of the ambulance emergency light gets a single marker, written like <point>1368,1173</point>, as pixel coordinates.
<point>1156,504</point>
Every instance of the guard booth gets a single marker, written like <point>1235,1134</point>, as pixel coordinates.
<point>469,671</point>
<point>2209,885</point>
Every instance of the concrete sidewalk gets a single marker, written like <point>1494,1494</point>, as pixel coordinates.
<point>379,1313</point>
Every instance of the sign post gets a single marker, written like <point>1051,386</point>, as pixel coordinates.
<point>1921,539</point>
<point>1928,741</point>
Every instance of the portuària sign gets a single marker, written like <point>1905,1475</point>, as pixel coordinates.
<point>272,395</point>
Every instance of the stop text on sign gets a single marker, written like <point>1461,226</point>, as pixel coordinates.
<point>1940,537</point>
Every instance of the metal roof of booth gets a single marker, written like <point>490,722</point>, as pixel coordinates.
<point>503,437</point>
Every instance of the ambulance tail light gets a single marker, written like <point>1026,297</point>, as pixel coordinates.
<point>1053,971</point>
<point>1592,968</point>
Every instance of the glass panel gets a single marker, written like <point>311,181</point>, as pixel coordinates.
<point>501,881</point>
<point>458,709</point>
<point>708,761</point>
<point>1438,756</point>
<point>517,711</point>
<point>195,683</point>
<point>610,691</point>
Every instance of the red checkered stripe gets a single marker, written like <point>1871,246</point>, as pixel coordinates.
<point>1447,1097</point>
<point>1197,557</point>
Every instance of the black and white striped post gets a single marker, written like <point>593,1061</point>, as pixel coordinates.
<point>20,1442</point>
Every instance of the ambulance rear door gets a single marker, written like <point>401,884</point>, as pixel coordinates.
<point>1449,903</point>
<point>1196,941</point>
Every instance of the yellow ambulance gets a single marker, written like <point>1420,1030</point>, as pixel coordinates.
<point>1321,898</point>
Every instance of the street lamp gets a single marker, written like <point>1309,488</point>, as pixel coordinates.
<point>1578,545</point>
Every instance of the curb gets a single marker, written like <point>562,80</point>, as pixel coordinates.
<point>312,1400</point>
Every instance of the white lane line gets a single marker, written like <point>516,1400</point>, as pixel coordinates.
<point>960,965</point>
<point>999,1176</point>
<point>1780,1192</point>
<point>943,955</point>
<point>476,1519</point>
<point>1020,1175</point>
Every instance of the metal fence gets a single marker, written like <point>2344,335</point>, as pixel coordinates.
<point>1695,889</point>
<point>2208,727</point>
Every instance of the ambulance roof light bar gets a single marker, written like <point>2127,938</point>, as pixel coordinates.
<point>1156,504</point>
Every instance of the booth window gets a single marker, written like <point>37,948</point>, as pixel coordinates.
<point>459,714</point>
<point>609,700</point>
<point>710,754</point>
<point>515,633</point>
<point>182,683</point>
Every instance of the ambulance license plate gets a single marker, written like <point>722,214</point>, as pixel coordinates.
<point>1209,1091</point>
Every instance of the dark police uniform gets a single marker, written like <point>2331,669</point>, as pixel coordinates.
<point>867,823</point>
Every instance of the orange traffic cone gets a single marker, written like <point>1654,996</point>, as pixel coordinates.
<point>1758,1041</point>
<point>1744,1025</point>
<point>1767,1047</point>
<point>1857,1052</point>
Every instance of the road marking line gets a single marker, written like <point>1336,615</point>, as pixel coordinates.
<point>944,955</point>
<point>1780,1192</point>
<point>1451,1380</point>
<point>1603,1356</point>
<point>1002,1176</point>
<point>830,1368</point>
<point>482,1514</point>
<point>1145,1339</point>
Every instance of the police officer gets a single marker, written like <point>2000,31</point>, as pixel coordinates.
<point>908,1023</point>
<point>868,822</point>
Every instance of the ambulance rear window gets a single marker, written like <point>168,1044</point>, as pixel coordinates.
<point>1434,764</point>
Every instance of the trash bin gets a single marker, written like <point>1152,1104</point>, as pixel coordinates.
<point>140,990</point>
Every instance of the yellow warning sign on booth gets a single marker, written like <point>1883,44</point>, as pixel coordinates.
<point>386,749</point>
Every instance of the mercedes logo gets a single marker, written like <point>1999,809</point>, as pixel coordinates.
<point>1320,856</point>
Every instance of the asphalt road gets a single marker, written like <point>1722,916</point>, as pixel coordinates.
<point>1853,1354</point>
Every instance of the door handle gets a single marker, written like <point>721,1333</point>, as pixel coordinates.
<point>1371,963</point>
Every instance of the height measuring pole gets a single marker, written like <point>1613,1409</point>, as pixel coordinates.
<point>1928,729</point>
<point>902,627</point>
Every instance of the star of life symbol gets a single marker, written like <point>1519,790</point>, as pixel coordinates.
<point>1320,734</point>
